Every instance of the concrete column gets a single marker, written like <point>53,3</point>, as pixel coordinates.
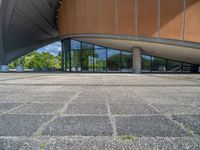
<point>4,68</point>
<point>137,60</point>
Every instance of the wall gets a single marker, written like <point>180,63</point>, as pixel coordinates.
<point>168,19</point>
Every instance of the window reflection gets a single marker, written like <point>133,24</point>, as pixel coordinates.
<point>146,63</point>
<point>174,66</point>
<point>84,57</point>
<point>113,60</point>
<point>87,46</point>
<point>76,60</point>
<point>75,45</point>
<point>158,64</point>
<point>100,60</point>
<point>87,60</point>
<point>126,61</point>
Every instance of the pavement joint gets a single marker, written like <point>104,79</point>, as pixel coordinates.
<point>112,118</point>
<point>174,121</point>
<point>15,108</point>
<point>44,125</point>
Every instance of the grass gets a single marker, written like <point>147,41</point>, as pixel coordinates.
<point>189,130</point>
<point>127,138</point>
<point>42,146</point>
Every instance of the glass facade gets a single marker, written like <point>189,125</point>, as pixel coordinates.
<point>160,65</point>
<point>84,57</point>
<point>100,61</point>
<point>113,60</point>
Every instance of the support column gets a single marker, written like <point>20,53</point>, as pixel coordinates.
<point>137,60</point>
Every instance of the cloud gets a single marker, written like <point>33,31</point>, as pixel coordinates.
<point>53,48</point>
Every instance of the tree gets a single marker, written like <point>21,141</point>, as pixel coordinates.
<point>38,60</point>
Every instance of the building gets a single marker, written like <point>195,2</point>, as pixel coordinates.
<point>105,35</point>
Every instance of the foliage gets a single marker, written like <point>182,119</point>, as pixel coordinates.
<point>128,138</point>
<point>38,60</point>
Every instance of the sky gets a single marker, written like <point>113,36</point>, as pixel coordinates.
<point>53,48</point>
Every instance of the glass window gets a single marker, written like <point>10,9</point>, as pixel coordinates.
<point>158,64</point>
<point>87,60</point>
<point>113,60</point>
<point>67,61</point>
<point>66,54</point>
<point>87,57</point>
<point>126,61</point>
<point>187,67</point>
<point>100,60</point>
<point>98,47</point>
<point>87,46</point>
<point>76,60</point>
<point>146,63</point>
<point>75,45</point>
<point>174,66</point>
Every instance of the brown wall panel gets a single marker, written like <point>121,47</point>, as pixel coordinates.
<point>61,20</point>
<point>108,16</point>
<point>81,18</point>
<point>126,17</point>
<point>147,18</point>
<point>171,18</point>
<point>118,17</point>
<point>67,16</point>
<point>93,16</point>
<point>192,29</point>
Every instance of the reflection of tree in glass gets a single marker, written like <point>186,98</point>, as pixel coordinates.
<point>126,60</point>
<point>100,60</point>
<point>113,62</point>
<point>87,59</point>
<point>75,59</point>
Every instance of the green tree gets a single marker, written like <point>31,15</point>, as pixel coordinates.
<point>38,60</point>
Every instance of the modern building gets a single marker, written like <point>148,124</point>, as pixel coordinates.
<point>105,35</point>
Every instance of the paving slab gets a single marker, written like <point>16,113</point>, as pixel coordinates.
<point>79,126</point>
<point>68,144</point>
<point>149,126</point>
<point>8,106</point>
<point>131,121</point>
<point>176,109</point>
<point>192,122</point>
<point>98,99</point>
<point>120,99</point>
<point>134,109</point>
<point>86,108</point>
<point>39,108</point>
<point>99,143</point>
<point>143,143</point>
<point>19,144</point>
<point>21,125</point>
<point>185,143</point>
<point>17,98</point>
<point>51,99</point>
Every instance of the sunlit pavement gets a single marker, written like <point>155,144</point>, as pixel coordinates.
<point>99,111</point>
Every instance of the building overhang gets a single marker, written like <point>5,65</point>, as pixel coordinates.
<point>26,25</point>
